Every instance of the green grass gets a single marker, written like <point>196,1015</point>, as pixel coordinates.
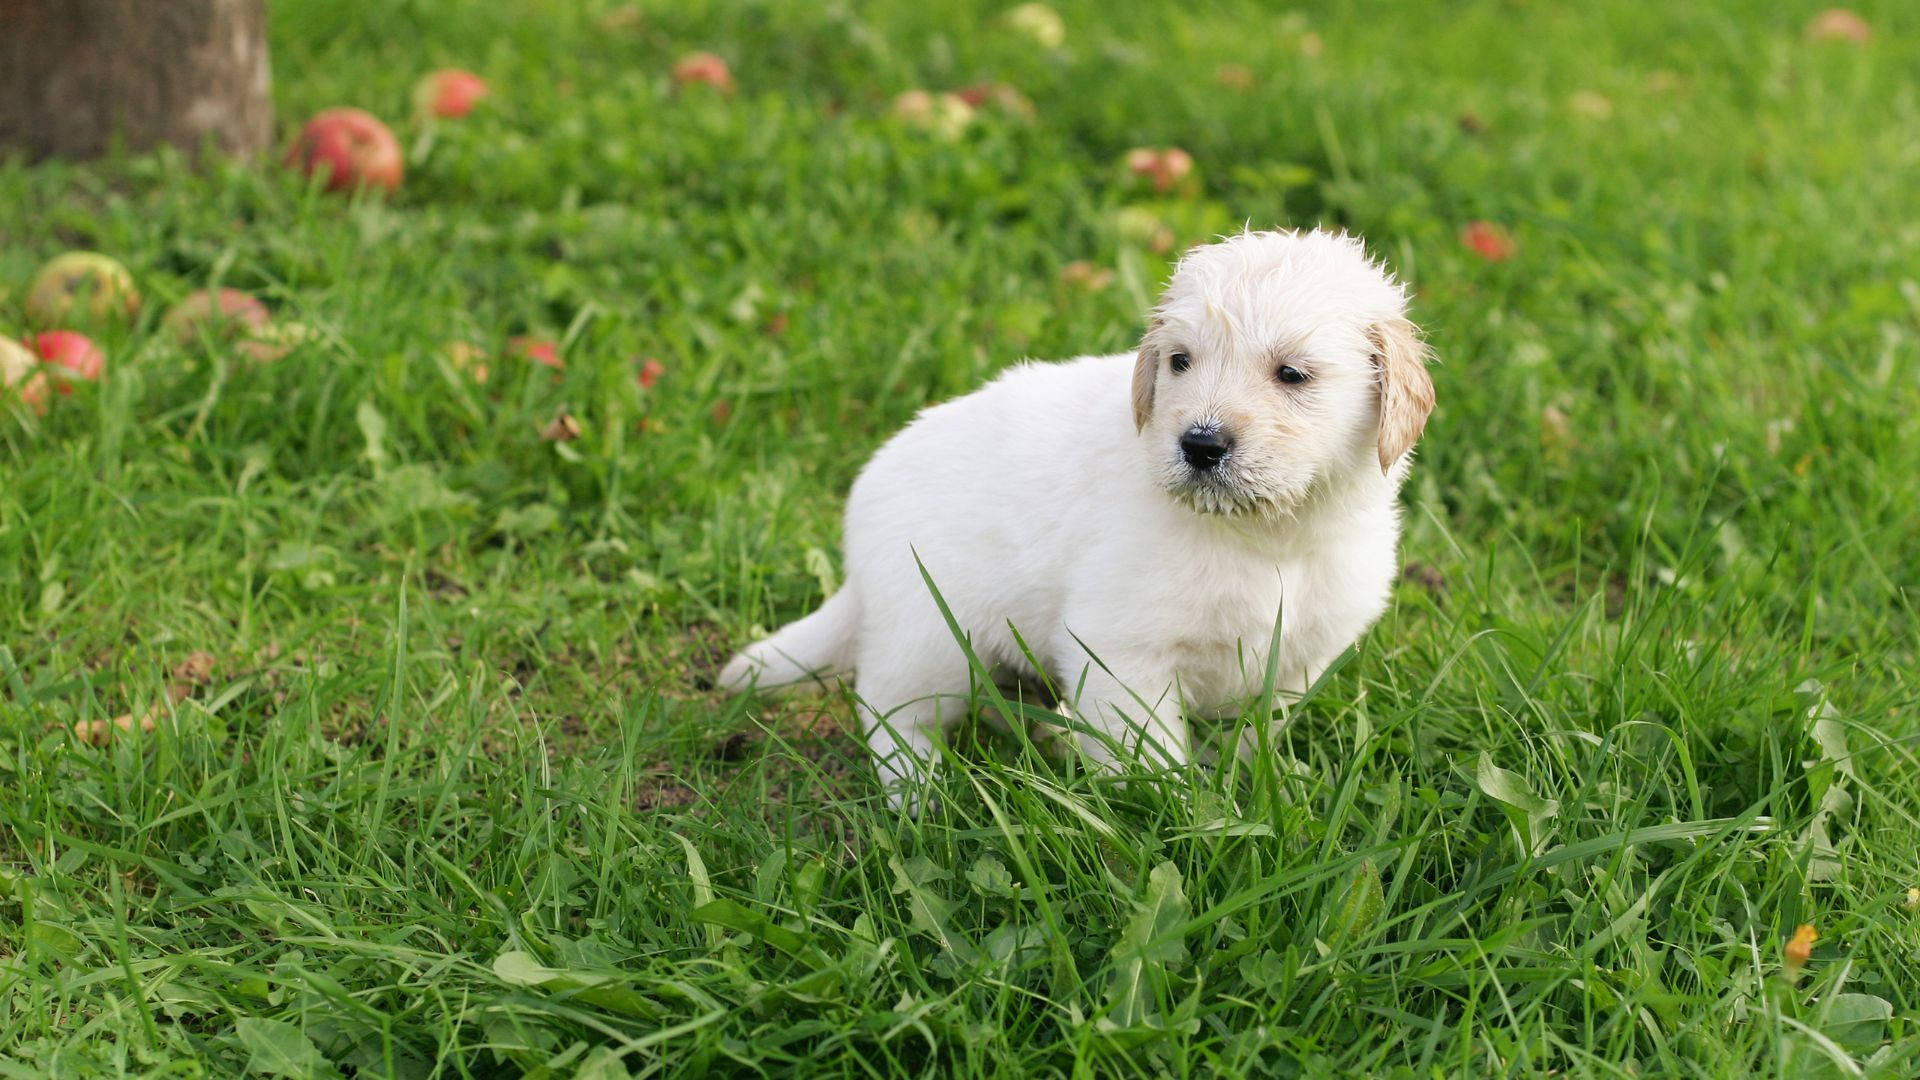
<point>451,802</point>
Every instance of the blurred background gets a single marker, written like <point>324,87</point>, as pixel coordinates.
<point>383,578</point>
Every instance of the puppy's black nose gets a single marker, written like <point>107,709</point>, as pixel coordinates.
<point>1204,447</point>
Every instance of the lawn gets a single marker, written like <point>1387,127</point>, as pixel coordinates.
<point>433,786</point>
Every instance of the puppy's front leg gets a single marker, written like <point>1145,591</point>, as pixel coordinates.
<point>906,700</point>
<point>1266,732</point>
<point>902,746</point>
<point>1129,702</point>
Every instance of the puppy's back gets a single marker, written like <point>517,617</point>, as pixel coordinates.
<point>991,491</point>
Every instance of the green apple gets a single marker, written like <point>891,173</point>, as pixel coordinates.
<point>95,284</point>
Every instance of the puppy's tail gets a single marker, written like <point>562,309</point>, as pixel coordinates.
<point>814,649</point>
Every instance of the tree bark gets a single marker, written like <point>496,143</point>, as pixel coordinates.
<point>78,75</point>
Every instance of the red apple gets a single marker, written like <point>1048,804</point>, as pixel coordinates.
<point>81,358</point>
<point>1164,166</point>
<point>448,93</point>
<point>221,315</point>
<point>97,284</point>
<point>538,350</point>
<point>1000,96</point>
<point>20,371</point>
<point>703,68</point>
<point>353,148</point>
<point>1489,241</point>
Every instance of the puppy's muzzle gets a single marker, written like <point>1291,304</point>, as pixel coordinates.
<point>1205,447</point>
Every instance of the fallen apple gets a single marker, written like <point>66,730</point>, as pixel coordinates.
<point>624,17</point>
<point>1839,24</point>
<point>449,93</point>
<point>351,147</point>
<point>538,350</point>
<point>1591,104</point>
<point>703,68</point>
<point>1162,166</point>
<point>1084,275</point>
<point>1039,22</point>
<point>1000,96</point>
<point>95,284</point>
<point>20,373</point>
<point>1234,76</point>
<point>272,341</point>
<point>78,356</point>
<point>218,316</point>
<point>467,357</point>
<point>1489,241</point>
<point>944,116</point>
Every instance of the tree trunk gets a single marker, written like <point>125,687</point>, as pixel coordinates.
<point>77,75</point>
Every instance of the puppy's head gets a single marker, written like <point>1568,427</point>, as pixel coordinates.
<point>1276,363</point>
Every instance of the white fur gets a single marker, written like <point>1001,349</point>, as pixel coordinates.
<point>1036,501</point>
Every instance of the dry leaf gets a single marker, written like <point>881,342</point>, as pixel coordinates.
<point>196,668</point>
<point>563,428</point>
<point>102,732</point>
<point>1800,949</point>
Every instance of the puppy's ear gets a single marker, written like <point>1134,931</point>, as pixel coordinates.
<point>1146,371</point>
<point>1406,392</point>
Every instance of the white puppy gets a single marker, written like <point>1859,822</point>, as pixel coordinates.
<point>1145,522</point>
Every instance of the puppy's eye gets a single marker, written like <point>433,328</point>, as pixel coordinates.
<point>1290,375</point>
<point>1180,362</point>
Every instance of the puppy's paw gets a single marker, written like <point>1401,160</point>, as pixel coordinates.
<point>911,800</point>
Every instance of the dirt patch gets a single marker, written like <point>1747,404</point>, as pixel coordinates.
<point>703,649</point>
<point>1425,576</point>
<point>663,791</point>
